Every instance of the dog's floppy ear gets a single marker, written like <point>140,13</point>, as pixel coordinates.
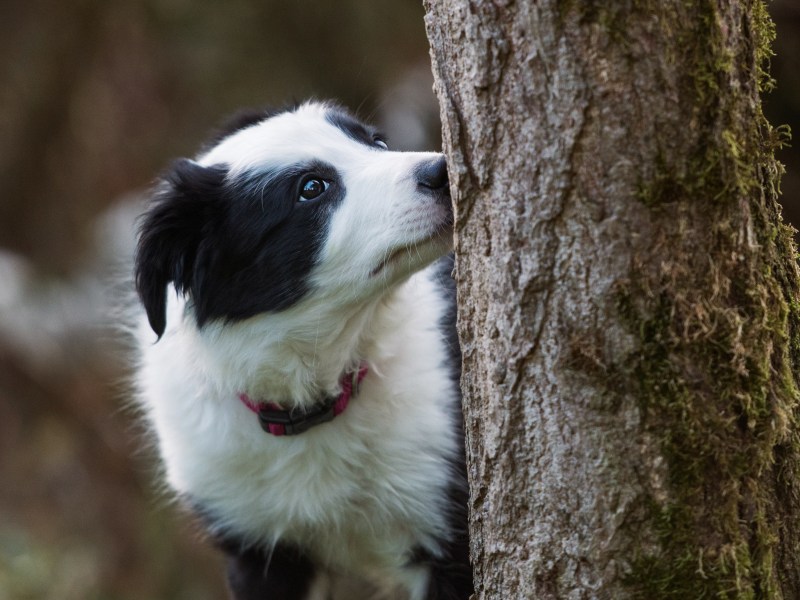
<point>183,210</point>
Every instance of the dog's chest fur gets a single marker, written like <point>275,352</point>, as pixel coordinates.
<point>365,490</point>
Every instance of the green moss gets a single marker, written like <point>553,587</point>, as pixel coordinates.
<point>690,573</point>
<point>711,402</point>
<point>716,314</point>
<point>715,376</point>
<point>764,33</point>
<point>719,333</point>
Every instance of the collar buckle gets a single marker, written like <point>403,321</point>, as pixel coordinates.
<point>293,422</point>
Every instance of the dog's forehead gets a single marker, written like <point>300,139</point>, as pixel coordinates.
<point>312,131</point>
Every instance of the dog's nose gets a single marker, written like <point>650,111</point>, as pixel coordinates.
<point>431,175</point>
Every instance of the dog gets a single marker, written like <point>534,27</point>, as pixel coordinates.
<point>297,361</point>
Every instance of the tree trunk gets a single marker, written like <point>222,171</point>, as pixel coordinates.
<point>628,298</point>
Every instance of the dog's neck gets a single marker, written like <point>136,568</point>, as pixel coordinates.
<point>293,358</point>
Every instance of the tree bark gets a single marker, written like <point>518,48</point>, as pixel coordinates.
<point>628,298</point>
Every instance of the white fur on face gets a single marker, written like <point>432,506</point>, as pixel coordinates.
<point>361,492</point>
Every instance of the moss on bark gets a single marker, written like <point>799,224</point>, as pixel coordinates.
<point>719,329</point>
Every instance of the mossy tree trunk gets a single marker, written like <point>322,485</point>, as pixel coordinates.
<point>628,298</point>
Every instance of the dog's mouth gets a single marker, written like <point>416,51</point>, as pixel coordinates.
<point>417,251</point>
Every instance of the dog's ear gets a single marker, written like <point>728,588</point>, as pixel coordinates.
<point>182,212</point>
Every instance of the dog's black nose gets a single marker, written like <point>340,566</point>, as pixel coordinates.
<point>431,175</point>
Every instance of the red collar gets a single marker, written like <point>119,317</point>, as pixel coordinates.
<point>275,420</point>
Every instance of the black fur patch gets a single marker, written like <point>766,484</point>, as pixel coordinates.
<point>243,119</point>
<point>443,274</point>
<point>171,233</point>
<point>238,248</point>
<point>254,574</point>
<point>353,128</point>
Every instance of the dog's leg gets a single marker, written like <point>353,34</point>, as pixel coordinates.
<point>282,574</point>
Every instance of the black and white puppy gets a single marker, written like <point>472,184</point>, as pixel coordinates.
<point>302,386</point>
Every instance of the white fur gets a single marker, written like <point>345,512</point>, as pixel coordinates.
<point>365,489</point>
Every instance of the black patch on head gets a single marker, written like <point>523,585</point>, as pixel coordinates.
<point>237,248</point>
<point>353,128</point>
<point>242,119</point>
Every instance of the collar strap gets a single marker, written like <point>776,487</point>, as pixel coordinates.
<point>275,420</point>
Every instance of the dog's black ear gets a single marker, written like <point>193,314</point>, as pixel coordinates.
<point>183,211</point>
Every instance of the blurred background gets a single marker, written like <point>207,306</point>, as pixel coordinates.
<point>96,96</point>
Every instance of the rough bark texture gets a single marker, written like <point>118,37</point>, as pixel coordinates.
<point>628,298</point>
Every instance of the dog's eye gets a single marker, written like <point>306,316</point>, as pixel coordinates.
<point>381,143</point>
<point>311,188</point>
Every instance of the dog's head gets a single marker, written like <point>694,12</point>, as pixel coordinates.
<point>304,203</point>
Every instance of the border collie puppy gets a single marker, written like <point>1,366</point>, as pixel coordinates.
<point>295,361</point>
